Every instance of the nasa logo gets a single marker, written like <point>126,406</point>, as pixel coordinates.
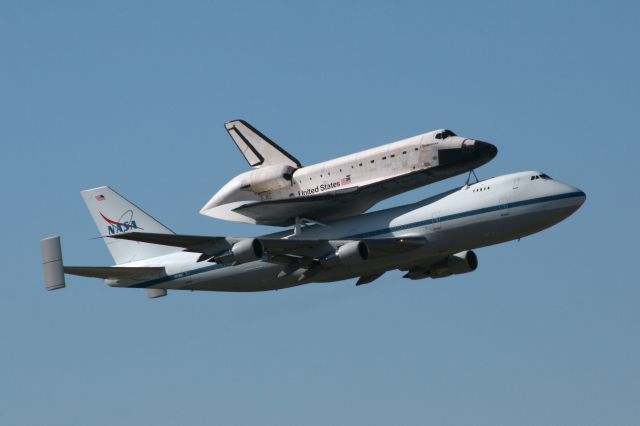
<point>124,224</point>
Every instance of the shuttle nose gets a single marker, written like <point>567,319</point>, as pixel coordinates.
<point>465,154</point>
<point>486,150</point>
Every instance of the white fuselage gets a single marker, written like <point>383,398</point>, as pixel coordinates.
<point>485,213</point>
<point>363,168</point>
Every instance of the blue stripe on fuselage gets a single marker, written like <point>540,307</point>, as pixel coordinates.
<point>179,275</point>
<point>383,231</point>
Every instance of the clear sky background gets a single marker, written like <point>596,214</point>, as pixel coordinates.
<point>135,94</point>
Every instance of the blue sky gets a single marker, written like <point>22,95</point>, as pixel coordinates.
<point>134,95</point>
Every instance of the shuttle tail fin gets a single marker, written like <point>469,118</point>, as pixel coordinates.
<point>256,148</point>
<point>113,214</point>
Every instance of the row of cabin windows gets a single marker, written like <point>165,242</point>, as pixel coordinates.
<point>372,161</point>
<point>481,189</point>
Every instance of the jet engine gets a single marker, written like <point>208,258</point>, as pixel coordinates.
<point>269,178</point>
<point>459,263</point>
<point>348,254</point>
<point>242,252</point>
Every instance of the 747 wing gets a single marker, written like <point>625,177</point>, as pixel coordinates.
<point>304,252</point>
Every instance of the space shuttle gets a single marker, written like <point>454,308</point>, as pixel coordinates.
<point>279,191</point>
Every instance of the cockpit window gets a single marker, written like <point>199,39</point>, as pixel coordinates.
<point>445,134</point>
<point>540,176</point>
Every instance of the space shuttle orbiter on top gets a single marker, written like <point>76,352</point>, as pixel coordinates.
<point>280,190</point>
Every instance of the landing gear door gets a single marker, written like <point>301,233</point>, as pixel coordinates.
<point>429,152</point>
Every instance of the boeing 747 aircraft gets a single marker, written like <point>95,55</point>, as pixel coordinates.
<point>280,191</point>
<point>433,238</point>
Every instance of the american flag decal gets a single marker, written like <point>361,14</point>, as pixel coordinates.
<point>100,197</point>
<point>346,180</point>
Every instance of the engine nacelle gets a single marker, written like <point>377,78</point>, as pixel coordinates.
<point>270,178</point>
<point>459,263</point>
<point>242,252</point>
<point>348,254</point>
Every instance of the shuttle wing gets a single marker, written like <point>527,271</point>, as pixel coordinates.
<point>341,203</point>
<point>334,204</point>
<point>256,148</point>
<point>331,205</point>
